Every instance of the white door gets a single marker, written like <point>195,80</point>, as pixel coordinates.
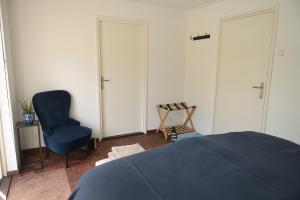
<point>1,150</point>
<point>246,48</point>
<point>122,58</point>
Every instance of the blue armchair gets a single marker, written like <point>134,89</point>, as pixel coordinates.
<point>62,134</point>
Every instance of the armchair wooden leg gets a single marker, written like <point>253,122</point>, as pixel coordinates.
<point>47,153</point>
<point>67,155</point>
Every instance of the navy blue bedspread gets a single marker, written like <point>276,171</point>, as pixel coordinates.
<point>232,166</point>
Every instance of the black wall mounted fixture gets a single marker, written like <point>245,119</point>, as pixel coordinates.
<point>200,37</point>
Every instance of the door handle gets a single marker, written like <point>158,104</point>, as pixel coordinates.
<point>261,88</point>
<point>102,82</point>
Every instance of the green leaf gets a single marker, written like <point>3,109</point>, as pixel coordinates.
<point>26,106</point>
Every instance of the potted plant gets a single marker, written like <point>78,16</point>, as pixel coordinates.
<point>28,115</point>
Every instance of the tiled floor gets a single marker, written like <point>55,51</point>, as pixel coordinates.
<point>81,161</point>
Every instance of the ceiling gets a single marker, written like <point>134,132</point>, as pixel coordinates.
<point>181,4</point>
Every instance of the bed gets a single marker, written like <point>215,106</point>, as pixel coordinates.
<point>231,166</point>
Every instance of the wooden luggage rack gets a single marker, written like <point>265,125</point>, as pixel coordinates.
<point>174,107</point>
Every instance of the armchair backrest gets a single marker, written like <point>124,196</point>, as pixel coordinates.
<point>52,109</point>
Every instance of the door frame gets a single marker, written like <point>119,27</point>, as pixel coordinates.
<point>3,170</point>
<point>144,80</point>
<point>274,10</point>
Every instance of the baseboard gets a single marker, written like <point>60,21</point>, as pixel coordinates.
<point>151,131</point>
<point>120,136</point>
<point>34,149</point>
<point>12,173</point>
<point>129,134</point>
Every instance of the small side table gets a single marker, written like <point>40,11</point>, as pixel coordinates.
<point>20,125</point>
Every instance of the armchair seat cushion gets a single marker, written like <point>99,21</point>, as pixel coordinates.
<point>68,138</point>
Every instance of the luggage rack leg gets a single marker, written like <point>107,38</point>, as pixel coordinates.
<point>189,117</point>
<point>162,121</point>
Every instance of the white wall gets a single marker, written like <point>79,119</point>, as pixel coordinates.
<point>54,47</point>
<point>54,44</point>
<point>202,56</point>
<point>7,95</point>
<point>284,108</point>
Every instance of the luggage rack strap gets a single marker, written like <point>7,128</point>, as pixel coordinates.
<point>175,106</point>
